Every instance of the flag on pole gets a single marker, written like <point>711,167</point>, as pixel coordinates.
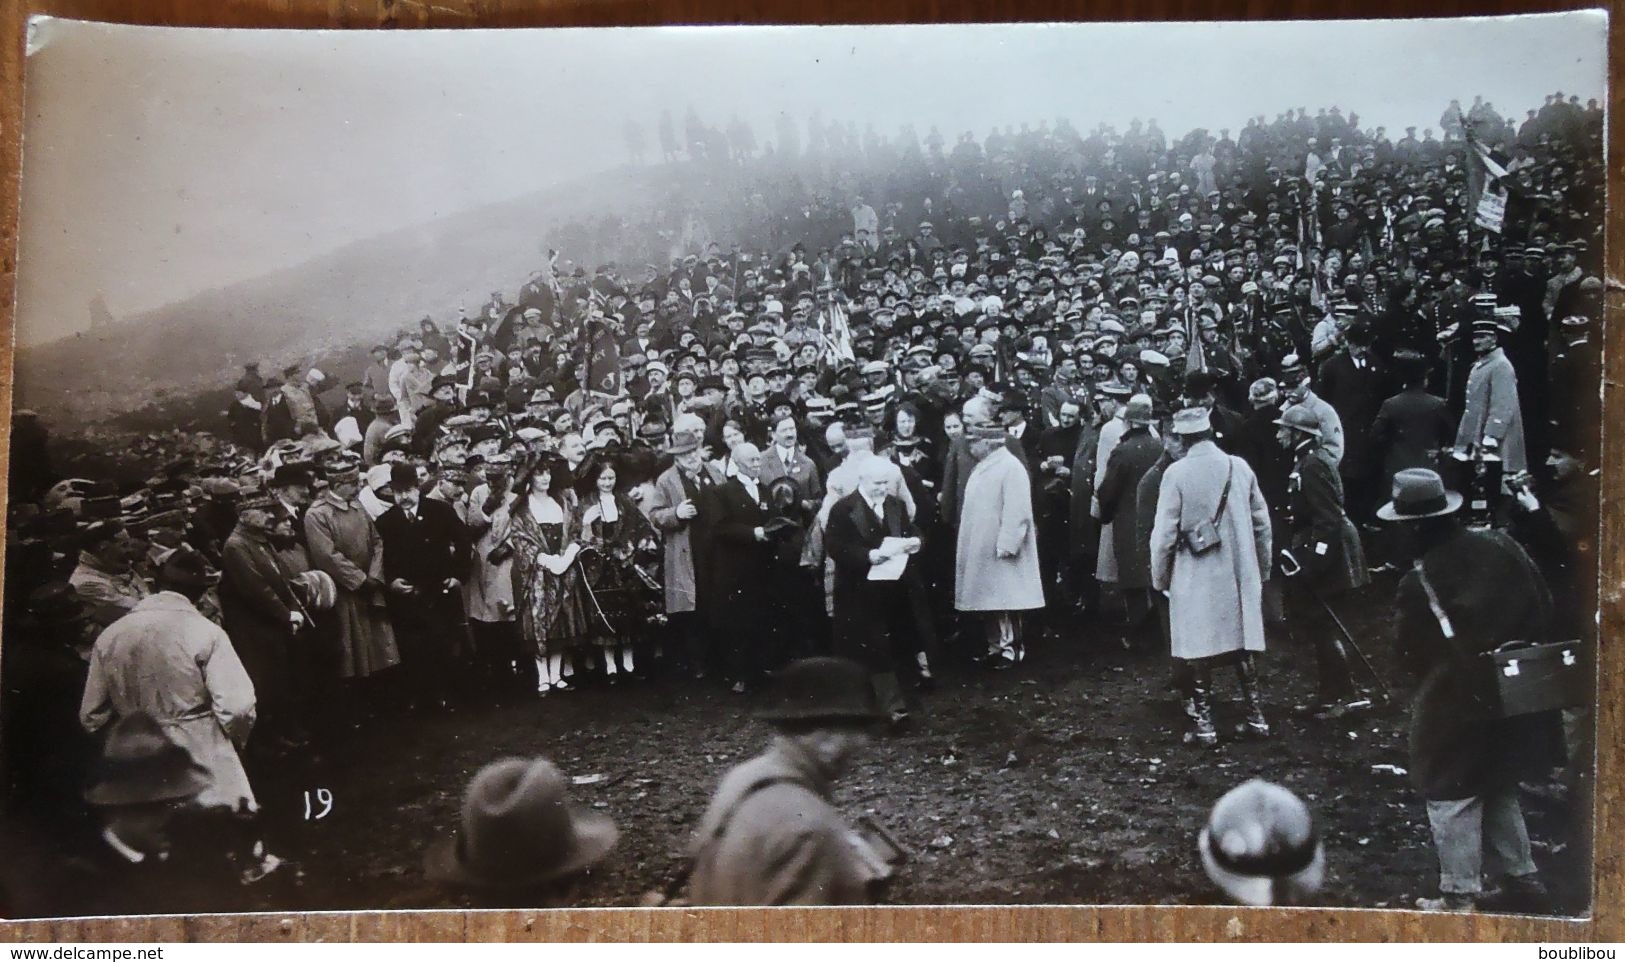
<point>1195,355</point>
<point>836,331</point>
<point>603,356</point>
<point>553,275</point>
<point>1486,198</point>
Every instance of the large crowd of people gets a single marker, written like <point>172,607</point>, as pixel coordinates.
<point>938,405</point>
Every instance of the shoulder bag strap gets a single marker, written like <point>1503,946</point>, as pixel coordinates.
<point>1224,496</point>
<point>1439,613</point>
<point>676,885</point>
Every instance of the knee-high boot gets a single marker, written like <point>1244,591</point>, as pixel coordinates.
<point>1256,723</point>
<point>1201,708</point>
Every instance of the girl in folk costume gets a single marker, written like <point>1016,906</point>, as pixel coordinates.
<point>618,544</point>
<point>547,585</point>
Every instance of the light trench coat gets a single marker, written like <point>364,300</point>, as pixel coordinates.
<point>488,594</point>
<point>1215,599</point>
<point>998,516</point>
<point>165,659</point>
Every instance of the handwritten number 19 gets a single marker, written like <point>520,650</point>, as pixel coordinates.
<point>323,806</point>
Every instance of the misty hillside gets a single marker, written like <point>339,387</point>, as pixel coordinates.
<point>178,362</point>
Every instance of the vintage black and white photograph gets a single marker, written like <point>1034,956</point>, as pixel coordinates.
<point>972,465</point>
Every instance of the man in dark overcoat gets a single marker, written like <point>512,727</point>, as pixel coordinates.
<point>1471,592</point>
<point>1413,426</point>
<point>876,622</point>
<point>1118,494</point>
<point>674,508</point>
<point>740,558</point>
<point>426,559</point>
<point>1354,386</point>
<point>262,616</point>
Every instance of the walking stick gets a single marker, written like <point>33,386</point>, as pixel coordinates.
<point>1387,696</point>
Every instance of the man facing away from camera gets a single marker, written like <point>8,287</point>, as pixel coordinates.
<point>1469,593</point>
<point>771,835</point>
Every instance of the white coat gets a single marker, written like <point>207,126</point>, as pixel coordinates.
<point>1214,599</point>
<point>998,517</point>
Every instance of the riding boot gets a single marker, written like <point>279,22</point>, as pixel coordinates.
<point>1335,681</point>
<point>1202,731</point>
<point>1256,723</point>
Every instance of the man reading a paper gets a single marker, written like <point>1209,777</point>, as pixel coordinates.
<point>880,614</point>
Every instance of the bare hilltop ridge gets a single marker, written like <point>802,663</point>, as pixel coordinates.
<point>173,367</point>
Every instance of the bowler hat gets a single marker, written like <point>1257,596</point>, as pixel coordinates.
<point>1261,847</point>
<point>519,829</point>
<point>831,690</point>
<point>290,474</point>
<point>1418,493</point>
<point>141,763</point>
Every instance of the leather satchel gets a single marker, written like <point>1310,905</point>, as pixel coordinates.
<point>1205,536</point>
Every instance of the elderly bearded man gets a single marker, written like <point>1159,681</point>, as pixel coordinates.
<point>867,529</point>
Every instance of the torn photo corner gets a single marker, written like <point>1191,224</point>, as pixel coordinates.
<point>460,487</point>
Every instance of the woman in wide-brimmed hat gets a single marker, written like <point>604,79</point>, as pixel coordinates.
<point>544,540</point>
<point>623,600</point>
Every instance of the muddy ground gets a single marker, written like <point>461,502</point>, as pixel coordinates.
<point>1063,780</point>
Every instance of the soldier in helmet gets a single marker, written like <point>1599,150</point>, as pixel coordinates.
<point>1324,558</point>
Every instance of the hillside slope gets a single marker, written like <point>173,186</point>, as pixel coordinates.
<point>180,359</point>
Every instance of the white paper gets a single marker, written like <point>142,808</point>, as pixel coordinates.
<point>892,568</point>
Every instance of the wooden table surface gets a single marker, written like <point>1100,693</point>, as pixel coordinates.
<point>877,924</point>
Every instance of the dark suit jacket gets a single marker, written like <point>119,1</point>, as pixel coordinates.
<point>425,551</point>
<point>803,471</point>
<point>865,610</point>
<point>1356,394</point>
<point>1409,428</point>
<point>739,563</point>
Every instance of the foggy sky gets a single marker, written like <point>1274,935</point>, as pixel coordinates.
<point>160,162</point>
